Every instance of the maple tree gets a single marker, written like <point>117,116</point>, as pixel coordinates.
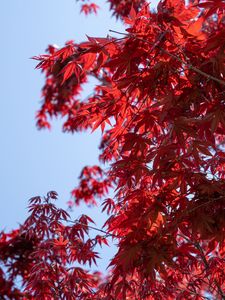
<point>159,103</point>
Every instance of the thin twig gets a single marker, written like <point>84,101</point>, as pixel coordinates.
<point>93,227</point>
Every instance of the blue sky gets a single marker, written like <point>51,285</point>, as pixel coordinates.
<point>34,162</point>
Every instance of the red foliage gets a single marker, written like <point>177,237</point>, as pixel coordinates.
<point>89,8</point>
<point>43,252</point>
<point>160,106</point>
<point>92,184</point>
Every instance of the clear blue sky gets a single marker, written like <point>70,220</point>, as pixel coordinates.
<point>34,162</point>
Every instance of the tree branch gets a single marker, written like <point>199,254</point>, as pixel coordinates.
<point>189,66</point>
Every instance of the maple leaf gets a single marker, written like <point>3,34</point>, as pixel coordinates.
<point>72,68</point>
<point>60,242</point>
<point>89,8</point>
